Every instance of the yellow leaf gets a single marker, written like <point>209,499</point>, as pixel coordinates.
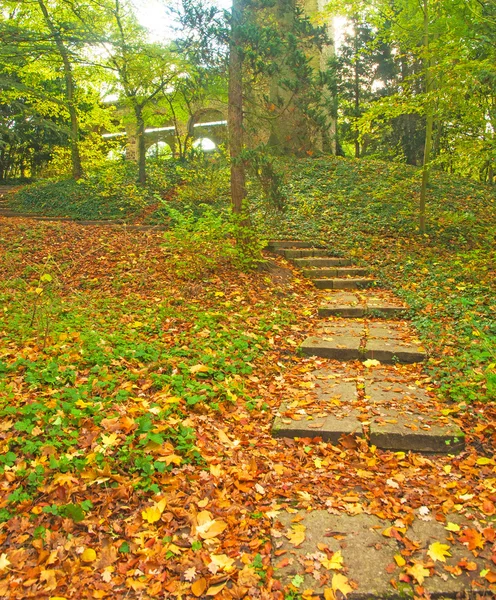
<point>329,594</point>
<point>399,560</point>
<point>371,362</point>
<point>447,469</point>
<point>173,458</point>
<point>199,587</point>
<point>452,527</point>
<point>199,369</point>
<point>418,572</point>
<point>222,561</point>
<point>109,440</point>
<point>151,514</point>
<point>4,561</point>
<point>438,551</point>
<point>317,462</point>
<point>207,527</point>
<point>57,598</point>
<point>483,460</point>
<point>216,470</point>
<point>296,535</point>
<point>340,582</point>
<point>88,556</point>
<point>213,590</point>
<point>335,562</point>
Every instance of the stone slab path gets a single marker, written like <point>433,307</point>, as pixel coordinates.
<point>372,550</point>
<point>390,414</point>
<point>383,402</point>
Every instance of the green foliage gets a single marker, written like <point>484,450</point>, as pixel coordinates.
<point>204,180</point>
<point>109,193</point>
<point>201,245</point>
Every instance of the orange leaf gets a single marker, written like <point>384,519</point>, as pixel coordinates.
<point>472,539</point>
<point>199,587</point>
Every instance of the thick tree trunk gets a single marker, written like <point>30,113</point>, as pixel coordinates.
<point>77,169</point>
<point>235,110</point>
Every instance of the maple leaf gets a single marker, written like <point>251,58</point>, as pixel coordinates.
<point>190,574</point>
<point>452,527</point>
<point>296,535</point>
<point>107,574</point>
<point>418,572</point>
<point>65,479</point>
<point>438,551</point>
<point>248,577</point>
<point>153,513</point>
<point>472,539</point>
<point>335,562</point>
<point>48,576</point>
<point>340,583</point>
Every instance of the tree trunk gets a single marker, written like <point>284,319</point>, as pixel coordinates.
<point>356,89</point>
<point>77,169</point>
<point>140,134</point>
<point>235,110</point>
<point>429,121</point>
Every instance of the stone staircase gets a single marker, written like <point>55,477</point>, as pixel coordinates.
<point>381,400</point>
<point>360,325</point>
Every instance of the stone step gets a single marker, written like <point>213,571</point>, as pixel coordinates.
<point>336,415</point>
<point>322,262</point>
<point>353,311</point>
<point>390,343</point>
<point>342,348</point>
<point>350,341</point>
<point>334,272</point>
<point>370,555</point>
<point>289,244</point>
<point>344,283</point>
<point>303,253</point>
<point>387,415</point>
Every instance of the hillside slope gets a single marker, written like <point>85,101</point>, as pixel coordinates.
<point>369,209</point>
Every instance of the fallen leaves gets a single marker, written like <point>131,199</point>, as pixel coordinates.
<point>418,572</point>
<point>153,513</point>
<point>438,551</point>
<point>88,555</point>
<point>296,534</point>
<point>170,439</point>
<point>4,561</point>
<point>207,527</point>
<point>472,539</point>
